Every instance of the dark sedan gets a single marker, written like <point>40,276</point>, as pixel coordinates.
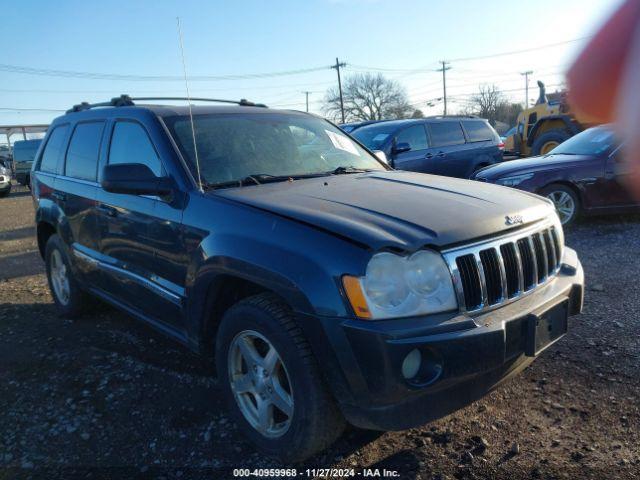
<point>583,175</point>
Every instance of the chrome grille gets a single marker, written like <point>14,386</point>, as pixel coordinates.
<point>494,272</point>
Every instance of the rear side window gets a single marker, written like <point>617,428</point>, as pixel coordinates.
<point>53,148</point>
<point>131,144</point>
<point>82,155</point>
<point>477,131</point>
<point>446,133</point>
<point>415,136</point>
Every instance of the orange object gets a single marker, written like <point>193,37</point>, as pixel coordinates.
<point>356,296</point>
<point>595,77</point>
<point>603,84</point>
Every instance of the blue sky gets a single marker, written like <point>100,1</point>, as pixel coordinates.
<point>242,37</point>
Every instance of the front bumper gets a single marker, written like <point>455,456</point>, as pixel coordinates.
<point>464,356</point>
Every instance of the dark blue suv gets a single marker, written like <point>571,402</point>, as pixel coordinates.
<point>455,146</point>
<point>326,287</point>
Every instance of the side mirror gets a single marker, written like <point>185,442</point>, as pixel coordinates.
<point>381,156</point>
<point>134,179</point>
<point>401,147</point>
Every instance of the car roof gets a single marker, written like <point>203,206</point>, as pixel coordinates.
<point>167,111</point>
<point>394,124</point>
<point>22,142</point>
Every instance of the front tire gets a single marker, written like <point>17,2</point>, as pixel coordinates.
<point>65,290</point>
<point>271,382</point>
<point>548,141</point>
<point>565,200</point>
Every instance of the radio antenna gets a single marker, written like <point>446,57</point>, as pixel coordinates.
<point>186,84</point>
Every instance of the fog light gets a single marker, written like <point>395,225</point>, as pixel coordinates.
<point>411,364</point>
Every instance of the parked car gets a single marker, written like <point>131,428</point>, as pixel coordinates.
<point>583,175</point>
<point>24,151</point>
<point>455,146</point>
<point>5,179</point>
<point>350,127</point>
<point>5,152</point>
<point>327,287</point>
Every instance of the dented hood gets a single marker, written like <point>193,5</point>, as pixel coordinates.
<point>395,209</point>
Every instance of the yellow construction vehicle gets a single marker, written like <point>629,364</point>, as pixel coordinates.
<point>543,127</point>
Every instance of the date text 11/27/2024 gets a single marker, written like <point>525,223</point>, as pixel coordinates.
<point>317,472</point>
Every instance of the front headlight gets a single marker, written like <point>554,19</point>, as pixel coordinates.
<point>514,180</point>
<point>395,286</point>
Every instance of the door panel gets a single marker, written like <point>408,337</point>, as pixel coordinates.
<point>448,148</point>
<point>414,160</point>
<point>77,199</point>
<point>140,237</point>
<point>76,191</point>
<point>616,176</point>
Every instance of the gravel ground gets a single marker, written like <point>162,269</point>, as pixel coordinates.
<point>107,397</point>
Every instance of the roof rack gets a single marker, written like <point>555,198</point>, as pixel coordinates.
<point>453,116</point>
<point>127,101</point>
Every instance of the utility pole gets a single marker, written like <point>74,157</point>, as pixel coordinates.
<point>526,87</point>
<point>337,67</point>
<point>307,95</point>
<point>444,82</point>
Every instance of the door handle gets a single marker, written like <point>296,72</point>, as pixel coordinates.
<point>109,211</point>
<point>429,155</point>
<point>61,196</point>
<point>441,154</point>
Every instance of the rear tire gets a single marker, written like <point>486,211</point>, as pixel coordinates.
<point>565,200</point>
<point>264,322</point>
<point>548,140</point>
<point>5,193</point>
<point>65,290</point>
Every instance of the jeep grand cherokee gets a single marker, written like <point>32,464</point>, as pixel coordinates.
<point>327,287</point>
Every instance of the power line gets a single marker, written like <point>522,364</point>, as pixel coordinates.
<point>514,52</point>
<point>465,59</point>
<point>15,109</point>
<point>456,96</point>
<point>149,78</point>
<point>165,90</point>
<point>422,91</point>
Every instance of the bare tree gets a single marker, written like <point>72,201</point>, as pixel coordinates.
<point>485,103</point>
<point>368,97</point>
<point>490,103</point>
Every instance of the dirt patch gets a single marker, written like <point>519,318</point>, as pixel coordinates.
<point>107,397</point>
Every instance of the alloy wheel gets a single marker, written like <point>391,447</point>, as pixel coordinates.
<point>565,205</point>
<point>60,278</point>
<point>260,384</point>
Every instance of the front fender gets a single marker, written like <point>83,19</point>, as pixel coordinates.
<point>302,264</point>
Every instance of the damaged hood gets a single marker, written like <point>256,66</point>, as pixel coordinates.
<point>395,209</point>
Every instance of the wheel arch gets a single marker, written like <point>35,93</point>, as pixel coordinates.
<point>44,230</point>
<point>562,121</point>
<point>569,185</point>
<point>216,290</point>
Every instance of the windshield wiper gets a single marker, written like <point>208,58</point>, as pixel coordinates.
<point>346,170</point>
<point>259,179</point>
